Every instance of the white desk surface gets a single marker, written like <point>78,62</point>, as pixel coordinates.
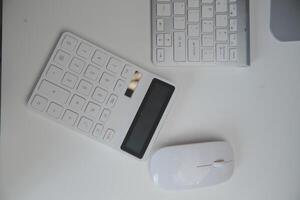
<point>256,109</point>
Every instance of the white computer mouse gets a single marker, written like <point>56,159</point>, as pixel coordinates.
<point>192,165</point>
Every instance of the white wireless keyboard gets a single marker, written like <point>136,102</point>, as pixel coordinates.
<point>102,96</point>
<point>200,32</point>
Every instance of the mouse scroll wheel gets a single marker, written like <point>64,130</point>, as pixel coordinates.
<point>218,163</point>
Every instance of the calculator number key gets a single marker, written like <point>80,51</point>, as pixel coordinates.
<point>91,72</point>
<point>54,73</point>
<point>84,50</point>
<point>115,66</point>
<point>39,103</point>
<point>77,65</point>
<point>92,109</point>
<point>54,110</point>
<point>69,80</point>
<point>107,81</point>
<point>84,87</point>
<point>104,115</point>
<point>99,95</point>
<point>70,117</point>
<point>69,43</point>
<point>62,58</point>
<point>85,124</point>
<point>77,102</point>
<point>99,58</point>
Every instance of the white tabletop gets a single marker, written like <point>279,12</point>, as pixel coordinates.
<point>256,109</point>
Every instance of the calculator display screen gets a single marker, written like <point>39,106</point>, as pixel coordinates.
<point>147,118</point>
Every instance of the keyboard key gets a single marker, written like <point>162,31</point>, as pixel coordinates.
<point>179,22</point>
<point>160,25</point>
<point>104,115</point>
<point>112,100</point>
<point>84,50</point>
<point>62,58</point>
<point>92,72</point>
<point>232,10</point>
<point>53,92</point>
<point>160,55</point>
<point>193,3</point>
<point>221,20</point>
<point>221,35</point>
<point>92,109</point>
<point>69,80</point>
<point>221,5</point>
<point>207,26</point>
<point>207,54</point>
<point>193,15</point>
<point>207,1</point>
<point>163,9</point>
<point>179,46</point>
<point>207,11</point>
<point>54,73</point>
<point>54,110</point>
<point>84,87</point>
<point>127,72</point>
<point>207,40</point>
<point>167,40</point>
<point>77,65</point>
<point>222,52</point>
<point>107,81</point>
<point>108,135</point>
<point>77,103</point>
<point>233,25</point>
<point>39,103</point>
<point>179,8</point>
<point>194,50</point>
<point>160,39</point>
<point>193,30</point>
<point>233,54</point>
<point>115,66</point>
<point>69,43</point>
<point>120,86</point>
<point>70,117</point>
<point>85,124</point>
<point>98,131</point>
<point>99,95</point>
<point>233,39</point>
<point>99,58</point>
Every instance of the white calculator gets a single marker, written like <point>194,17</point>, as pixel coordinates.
<point>102,96</point>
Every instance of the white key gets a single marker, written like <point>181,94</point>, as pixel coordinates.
<point>193,3</point>
<point>53,92</point>
<point>207,26</point>
<point>107,81</point>
<point>160,25</point>
<point>108,135</point>
<point>54,110</point>
<point>104,115</point>
<point>70,117</point>
<point>54,73</point>
<point>233,25</point>
<point>77,65</point>
<point>84,87</point>
<point>222,52</point>
<point>163,9</point>
<point>194,50</point>
<point>207,11</point>
<point>163,0</point>
<point>221,20</point>
<point>168,40</point>
<point>193,15</point>
<point>207,54</point>
<point>179,46</point>
<point>84,50</point>
<point>120,86</point>
<point>232,10</point>
<point>85,124</point>
<point>92,109</point>
<point>221,5</point>
<point>221,35</point>
<point>98,131</point>
<point>127,72</point>
<point>69,43</point>
<point>207,1</point>
<point>62,58</point>
<point>179,8</point>
<point>193,30</point>
<point>179,22</point>
<point>115,66</point>
<point>69,80</point>
<point>233,54</point>
<point>92,72</point>
<point>99,95</point>
<point>39,103</point>
<point>99,58</point>
<point>160,39</point>
<point>111,102</point>
<point>160,55</point>
<point>233,39</point>
<point>207,40</point>
<point>77,103</point>
<point>231,1</point>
